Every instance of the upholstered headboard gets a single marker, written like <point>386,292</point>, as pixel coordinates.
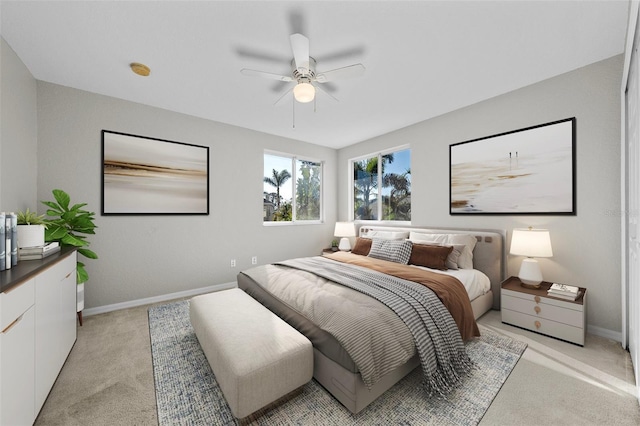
<point>488,254</point>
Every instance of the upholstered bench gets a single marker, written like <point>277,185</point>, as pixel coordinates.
<point>256,357</point>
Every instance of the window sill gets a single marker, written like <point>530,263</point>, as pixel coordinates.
<point>296,223</point>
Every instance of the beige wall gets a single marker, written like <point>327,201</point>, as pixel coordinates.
<point>586,246</point>
<point>18,133</point>
<point>147,256</point>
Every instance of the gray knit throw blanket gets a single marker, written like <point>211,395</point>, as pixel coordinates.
<point>442,353</point>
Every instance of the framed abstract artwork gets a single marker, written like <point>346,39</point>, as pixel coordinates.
<point>530,171</point>
<point>149,176</point>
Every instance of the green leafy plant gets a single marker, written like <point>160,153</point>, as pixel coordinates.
<point>334,243</point>
<point>28,217</point>
<point>67,225</point>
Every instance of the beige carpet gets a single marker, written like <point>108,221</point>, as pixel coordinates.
<point>108,379</point>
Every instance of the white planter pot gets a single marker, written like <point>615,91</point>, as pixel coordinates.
<point>79,297</point>
<point>30,235</point>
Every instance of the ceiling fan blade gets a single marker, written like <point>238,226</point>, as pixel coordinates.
<point>283,96</point>
<point>300,49</point>
<point>341,54</point>
<point>247,52</point>
<point>341,73</point>
<point>325,92</point>
<point>255,73</point>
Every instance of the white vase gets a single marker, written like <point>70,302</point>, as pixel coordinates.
<point>30,235</point>
<point>79,297</point>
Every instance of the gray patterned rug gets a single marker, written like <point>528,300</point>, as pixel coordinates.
<point>187,392</point>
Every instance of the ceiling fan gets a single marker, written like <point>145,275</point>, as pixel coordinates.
<point>303,72</point>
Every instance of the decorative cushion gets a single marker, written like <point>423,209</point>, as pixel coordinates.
<point>362,247</point>
<point>398,251</point>
<point>465,261</point>
<point>434,257</point>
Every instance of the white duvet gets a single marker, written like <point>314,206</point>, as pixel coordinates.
<point>475,282</point>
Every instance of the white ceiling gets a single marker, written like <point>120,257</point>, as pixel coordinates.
<point>422,58</point>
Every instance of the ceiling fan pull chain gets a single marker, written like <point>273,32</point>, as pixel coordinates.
<point>293,113</point>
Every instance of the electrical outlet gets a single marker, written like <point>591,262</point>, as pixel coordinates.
<point>233,263</point>
<point>254,260</point>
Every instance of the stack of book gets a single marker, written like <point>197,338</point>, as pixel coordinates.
<point>38,252</point>
<point>564,291</point>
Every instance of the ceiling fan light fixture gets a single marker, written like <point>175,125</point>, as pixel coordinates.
<point>304,92</point>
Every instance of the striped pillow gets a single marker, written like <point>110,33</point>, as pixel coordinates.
<point>398,251</point>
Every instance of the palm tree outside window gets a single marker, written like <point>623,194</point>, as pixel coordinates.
<point>292,189</point>
<point>382,186</point>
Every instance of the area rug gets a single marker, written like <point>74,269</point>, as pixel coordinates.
<point>187,392</point>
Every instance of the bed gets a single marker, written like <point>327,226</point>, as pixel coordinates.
<point>334,367</point>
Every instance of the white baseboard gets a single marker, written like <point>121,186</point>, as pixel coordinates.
<point>604,332</point>
<point>156,299</point>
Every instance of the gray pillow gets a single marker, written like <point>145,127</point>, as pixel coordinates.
<point>398,251</point>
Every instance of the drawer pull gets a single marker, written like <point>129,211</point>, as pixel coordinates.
<point>537,323</point>
<point>13,324</point>
<point>68,275</point>
<point>537,299</point>
<point>537,309</point>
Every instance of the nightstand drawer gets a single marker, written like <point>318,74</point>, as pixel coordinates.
<point>543,310</point>
<point>544,326</point>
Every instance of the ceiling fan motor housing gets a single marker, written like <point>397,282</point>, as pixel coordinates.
<point>300,75</point>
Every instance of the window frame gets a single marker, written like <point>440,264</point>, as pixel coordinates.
<point>294,178</point>
<point>379,154</point>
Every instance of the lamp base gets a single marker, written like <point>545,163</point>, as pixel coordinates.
<point>530,275</point>
<point>344,245</point>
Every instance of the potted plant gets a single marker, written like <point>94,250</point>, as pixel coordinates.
<point>67,225</point>
<point>31,229</point>
<point>334,245</point>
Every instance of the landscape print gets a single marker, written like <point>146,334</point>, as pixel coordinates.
<point>528,171</point>
<point>152,176</point>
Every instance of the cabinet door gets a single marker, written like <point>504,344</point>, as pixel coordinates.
<point>55,323</point>
<point>17,386</point>
<point>68,318</point>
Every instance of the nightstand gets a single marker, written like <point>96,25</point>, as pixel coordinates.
<point>328,251</point>
<point>534,310</point>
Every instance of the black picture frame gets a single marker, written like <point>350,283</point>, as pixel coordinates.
<point>529,171</point>
<point>142,175</point>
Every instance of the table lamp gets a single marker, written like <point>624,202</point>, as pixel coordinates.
<point>344,230</point>
<point>530,243</point>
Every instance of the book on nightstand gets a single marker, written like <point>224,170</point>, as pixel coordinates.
<point>564,291</point>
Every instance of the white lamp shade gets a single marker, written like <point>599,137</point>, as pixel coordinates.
<point>345,229</point>
<point>304,92</point>
<point>531,243</point>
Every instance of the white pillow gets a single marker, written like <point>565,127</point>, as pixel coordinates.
<point>465,261</point>
<point>387,235</point>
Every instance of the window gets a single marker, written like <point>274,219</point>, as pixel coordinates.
<point>285,176</point>
<point>382,186</point>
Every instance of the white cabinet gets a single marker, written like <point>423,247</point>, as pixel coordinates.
<point>55,323</point>
<point>17,355</point>
<point>38,323</point>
